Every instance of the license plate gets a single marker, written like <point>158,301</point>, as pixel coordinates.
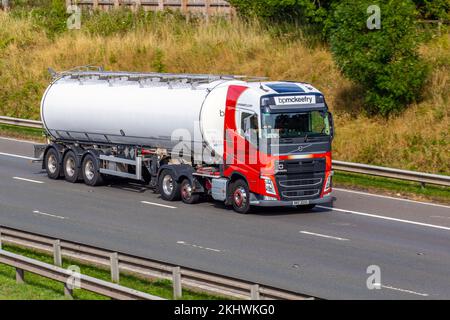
<point>300,202</point>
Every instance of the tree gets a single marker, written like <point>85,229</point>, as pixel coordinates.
<point>383,61</point>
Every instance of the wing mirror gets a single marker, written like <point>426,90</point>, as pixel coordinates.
<point>330,119</point>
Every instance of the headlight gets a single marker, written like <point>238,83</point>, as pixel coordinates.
<point>328,183</point>
<point>269,185</point>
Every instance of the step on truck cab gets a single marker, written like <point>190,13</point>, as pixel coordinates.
<point>244,141</point>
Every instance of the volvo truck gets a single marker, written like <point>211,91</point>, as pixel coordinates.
<point>240,140</point>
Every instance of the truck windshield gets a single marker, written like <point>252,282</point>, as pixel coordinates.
<point>295,125</point>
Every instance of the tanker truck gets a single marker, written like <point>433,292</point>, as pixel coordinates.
<point>240,140</point>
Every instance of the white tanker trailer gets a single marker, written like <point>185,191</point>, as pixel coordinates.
<point>244,141</point>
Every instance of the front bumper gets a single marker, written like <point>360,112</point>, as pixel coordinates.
<point>279,203</point>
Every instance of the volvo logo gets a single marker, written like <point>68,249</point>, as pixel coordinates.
<point>303,147</point>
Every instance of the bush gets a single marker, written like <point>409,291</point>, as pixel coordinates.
<point>384,62</point>
<point>47,14</point>
<point>306,11</point>
<point>433,9</point>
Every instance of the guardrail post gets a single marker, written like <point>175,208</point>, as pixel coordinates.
<point>254,292</point>
<point>115,274</point>
<point>176,282</point>
<point>0,239</point>
<point>57,258</point>
<point>68,291</point>
<point>20,276</point>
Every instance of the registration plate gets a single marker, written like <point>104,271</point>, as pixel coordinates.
<point>300,202</point>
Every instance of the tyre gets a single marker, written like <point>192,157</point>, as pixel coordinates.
<point>52,165</point>
<point>70,167</point>
<point>90,171</point>
<point>186,193</point>
<point>306,207</point>
<point>240,196</point>
<point>169,188</point>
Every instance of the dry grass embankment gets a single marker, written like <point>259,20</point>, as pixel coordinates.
<point>418,139</point>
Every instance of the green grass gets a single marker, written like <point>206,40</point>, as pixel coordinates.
<point>40,288</point>
<point>391,186</point>
<point>34,134</point>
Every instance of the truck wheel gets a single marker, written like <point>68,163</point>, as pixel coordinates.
<point>70,166</point>
<point>90,171</point>
<point>240,196</point>
<point>52,163</point>
<point>169,188</point>
<point>186,193</point>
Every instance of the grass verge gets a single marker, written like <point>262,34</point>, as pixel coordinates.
<point>392,187</point>
<point>24,133</point>
<point>40,288</point>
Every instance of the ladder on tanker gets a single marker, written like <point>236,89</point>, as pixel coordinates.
<point>98,72</point>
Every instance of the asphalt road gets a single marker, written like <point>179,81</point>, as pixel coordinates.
<point>324,252</point>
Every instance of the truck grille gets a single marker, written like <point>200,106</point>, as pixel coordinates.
<point>300,186</point>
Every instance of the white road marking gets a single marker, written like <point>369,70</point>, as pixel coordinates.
<point>29,180</point>
<point>386,218</point>
<point>392,198</point>
<point>406,291</point>
<point>323,235</point>
<point>197,246</point>
<point>48,214</point>
<point>441,217</point>
<point>158,204</point>
<point>18,140</point>
<point>17,156</point>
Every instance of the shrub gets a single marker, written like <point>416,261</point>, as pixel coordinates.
<point>306,11</point>
<point>433,9</point>
<point>383,61</point>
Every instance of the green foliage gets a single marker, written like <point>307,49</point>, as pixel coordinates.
<point>305,11</point>
<point>158,63</point>
<point>384,62</point>
<point>433,9</point>
<point>47,14</point>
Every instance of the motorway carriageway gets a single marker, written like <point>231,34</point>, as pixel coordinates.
<point>324,252</point>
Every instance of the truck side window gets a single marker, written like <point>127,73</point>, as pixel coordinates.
<point>249,126</point>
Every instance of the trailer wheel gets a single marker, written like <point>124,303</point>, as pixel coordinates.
<point>90,171</point>
<point>169,188</point>
<point>70,166</point>
<point>186,193</point>
<point>52,163</point>
<point>240,196</point>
